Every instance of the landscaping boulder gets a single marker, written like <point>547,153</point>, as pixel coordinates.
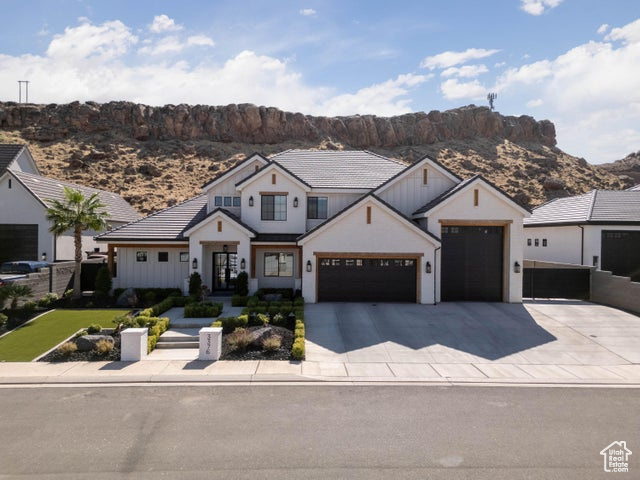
<point>127,298</point>
<point>259,334</point>
<point>87,343</point>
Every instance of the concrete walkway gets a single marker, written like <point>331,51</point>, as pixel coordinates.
<point>549,343</point>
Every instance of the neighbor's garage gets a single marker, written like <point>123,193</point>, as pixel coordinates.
<point>18,242</point>
<point>367,279</point>
<point>472,263</point>
<point>621,253</point>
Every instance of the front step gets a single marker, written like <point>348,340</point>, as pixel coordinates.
<point>179,338</point>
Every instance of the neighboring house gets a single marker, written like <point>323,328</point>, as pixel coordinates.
<point>337,225</point>
<point>25,197</point>
<point>600,228</point>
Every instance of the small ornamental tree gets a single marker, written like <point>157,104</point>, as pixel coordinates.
<point>242,284</point>
<point>103,283</point>
<point>195,284</point>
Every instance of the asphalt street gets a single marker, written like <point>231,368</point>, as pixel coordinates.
<point>323,432</point>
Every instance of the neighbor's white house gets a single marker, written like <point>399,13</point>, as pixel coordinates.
<point>25,196</point>
<point>600,228</point>
<point>339,226</point>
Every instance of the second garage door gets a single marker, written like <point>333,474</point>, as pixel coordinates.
<point>472,263</point>
<point>18,242</point>
<point>621,253</point>
<point>367,280</point>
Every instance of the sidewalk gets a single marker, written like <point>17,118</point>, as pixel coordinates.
<point>222,371</point>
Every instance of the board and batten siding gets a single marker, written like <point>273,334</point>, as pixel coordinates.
<point>152,273</point>
<point>227,187</point>
<point>410,193</point>
<point>336,202</point>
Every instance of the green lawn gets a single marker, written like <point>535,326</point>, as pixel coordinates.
<point>35,338</point>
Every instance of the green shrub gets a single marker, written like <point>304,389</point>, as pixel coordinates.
<point>155,331</point>
<point>272,343</point>
<point>147,312</point>
<point>95,328</point>
<point>29,307</point>
<point>242,284</point>
<point>81,333</point>
<point>179,301</point>
<point>299,332</point>
<point>3,320</point>
<point>273,310</point>
<point>260,310</point>
<point>165,305</point>
<point>297,351</point>
<point>67,348</point>
<point>104,346</point>
<point>152,340</point>
<point>278,319</point>
<point>195,284</point>
<point>298,302</point>
<point>299,313</point>
<point>239,339</point>
<point>230,324</point>
<point>252,302</point>
<point>262,303</point>
<point>263,319</point>
<point>202,310</point>
<point>150,297</point>
<point>103,283</point>
<point>47,300</point>
<point>239,301</point>
<point>217,323</point>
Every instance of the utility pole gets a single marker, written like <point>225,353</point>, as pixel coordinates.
<point>26,84</point>
<point>491,97</point>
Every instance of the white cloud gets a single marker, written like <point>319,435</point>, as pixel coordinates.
<point>603,29</point>
<point>466,71</point>
<point>534,103</point>
<point>449,58</point>
<point>308,12</point>
<point>163,23</point>
<point>452,89</point>
<point>590,92</point>
<point>93,62</point>
<point>200,40</point>
<point>538,7</point>
<point>387,98</point>
<point>106,41</point>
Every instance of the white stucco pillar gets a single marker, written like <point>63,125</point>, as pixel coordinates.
<point>210,343</point>
<point>133,344</point>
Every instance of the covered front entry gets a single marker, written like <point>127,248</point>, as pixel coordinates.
<point>621,253</point>
<point>354,279</point>
<point>225,271</point>
<point>472,263</point>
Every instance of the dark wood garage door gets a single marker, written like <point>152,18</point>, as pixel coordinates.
<point>621,253</point>
<point>367,280</point>
<point>472,263</point>
<point>18,242</point>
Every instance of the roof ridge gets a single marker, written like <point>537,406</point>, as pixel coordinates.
<point>594,193</point>
<point>50,179</point>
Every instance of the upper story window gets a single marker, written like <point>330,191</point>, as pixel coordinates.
<point>274,207</point>
<point>219,201</point>
<point>316,207</point>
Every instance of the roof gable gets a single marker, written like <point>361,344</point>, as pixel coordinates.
<point>382,204</point>
<point>238,166</point>
<point>340,169</point>
<point>463,187</point>
<point>270,168</point>
<point>424,161</point>
<point>215,214</point>
<point>11,152</point>
<point>46,189</point>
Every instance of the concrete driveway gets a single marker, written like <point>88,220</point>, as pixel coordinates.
<point>537,333</point>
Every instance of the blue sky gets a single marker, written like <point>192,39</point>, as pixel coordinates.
<point>575,62</point>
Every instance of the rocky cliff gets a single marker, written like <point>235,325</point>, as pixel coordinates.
<point>156,156</point>
<point>627,169</point>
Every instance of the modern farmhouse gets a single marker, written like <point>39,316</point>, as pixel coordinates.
<point>25,196</point>
<point>337,225</point>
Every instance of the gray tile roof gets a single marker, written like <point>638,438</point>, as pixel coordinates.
<point>8,153</point>
<point>166,225</point>
<point>597,206</point>
<point>443,196</point>
<point>46,189</point>
<point>339,169</point>
<point>636,188</point>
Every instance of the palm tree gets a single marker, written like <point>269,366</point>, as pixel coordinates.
<point>78,213</point>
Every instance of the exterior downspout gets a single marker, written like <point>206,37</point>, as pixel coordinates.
<point>434,273</point>
<point>581,244</point>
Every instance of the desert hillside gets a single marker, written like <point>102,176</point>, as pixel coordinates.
<point>158,156</point>
<point>627,169</point>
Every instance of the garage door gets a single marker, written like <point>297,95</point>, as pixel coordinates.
<point>18,242</point>
<point>367,280</point>
<point>621,253</point>
<point>472,263</point>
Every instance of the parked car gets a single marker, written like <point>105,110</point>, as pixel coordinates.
<point>12,271</point>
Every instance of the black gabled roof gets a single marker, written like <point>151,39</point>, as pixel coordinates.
<point>8,153</point>
<point>452,191</point>
<point>239,164</point>
<point>360,200</point>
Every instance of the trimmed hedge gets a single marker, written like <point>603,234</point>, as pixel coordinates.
<point>239,301</point>
<point>229,324</point>
<point>202,310</point>
<point>297,351</point>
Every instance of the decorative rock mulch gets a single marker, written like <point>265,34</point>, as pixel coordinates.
<point>86,356</point>
<point>254,351</point>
